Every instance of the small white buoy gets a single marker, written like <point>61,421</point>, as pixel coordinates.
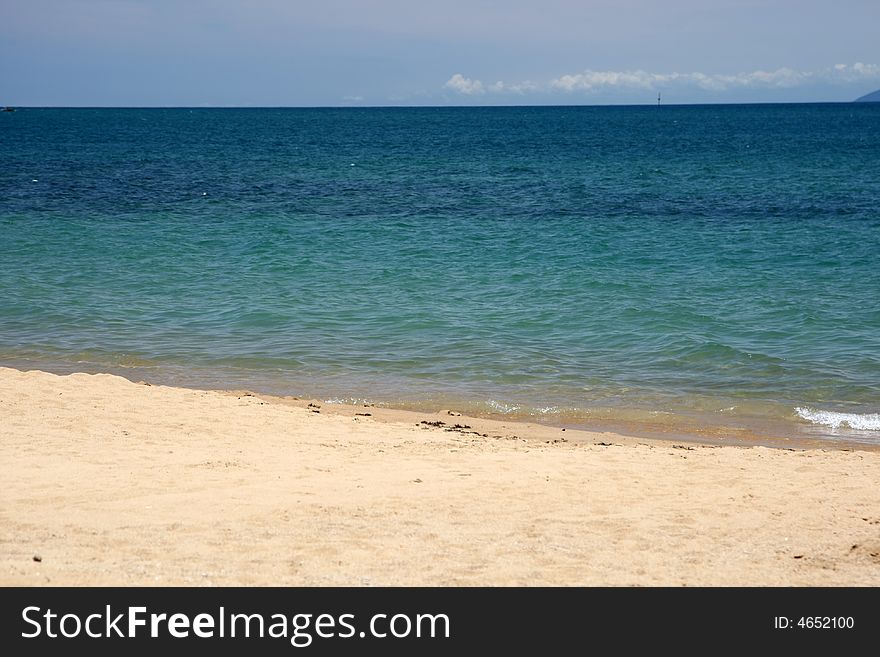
<point>204,193</point>
<point>352,164</point>
<point>35,180</point>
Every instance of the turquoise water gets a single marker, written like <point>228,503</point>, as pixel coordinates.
<point>675,269</point>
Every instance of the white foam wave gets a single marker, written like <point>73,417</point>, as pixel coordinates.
<point>835,420</point>
<point>501,407</point>
<point>351,401</point>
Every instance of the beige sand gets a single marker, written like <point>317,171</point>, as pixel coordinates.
<point>111,482</point>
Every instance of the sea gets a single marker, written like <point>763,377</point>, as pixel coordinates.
<point>705,271</point>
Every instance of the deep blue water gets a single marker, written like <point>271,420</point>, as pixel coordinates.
<point>674,267</point>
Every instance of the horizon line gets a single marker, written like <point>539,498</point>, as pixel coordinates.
<point>486,106</point>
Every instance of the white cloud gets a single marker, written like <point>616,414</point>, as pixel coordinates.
<point>780,78</point>
<point>464,85</point>
<point>593,80</point>
<point>857,72</point>
<point>513,88</point>
<point>590,81</point>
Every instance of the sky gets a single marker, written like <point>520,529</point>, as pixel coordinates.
<point>442,52</point>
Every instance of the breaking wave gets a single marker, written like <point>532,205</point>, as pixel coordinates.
<point>835,420</point>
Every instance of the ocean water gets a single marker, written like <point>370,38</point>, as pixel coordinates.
<point>695,270</point>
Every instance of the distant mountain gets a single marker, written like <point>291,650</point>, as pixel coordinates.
<point>870,98</point>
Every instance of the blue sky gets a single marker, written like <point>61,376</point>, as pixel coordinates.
<point>446,52</point>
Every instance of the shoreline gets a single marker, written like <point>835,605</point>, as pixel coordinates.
<point>118,483</point>
<point>675,426</point>
<point>495,427</point>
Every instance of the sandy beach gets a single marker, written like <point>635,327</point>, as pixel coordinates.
<point>111,482</point>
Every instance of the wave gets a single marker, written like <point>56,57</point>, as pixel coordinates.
<point>835,420</point>
<point>501,407</point>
